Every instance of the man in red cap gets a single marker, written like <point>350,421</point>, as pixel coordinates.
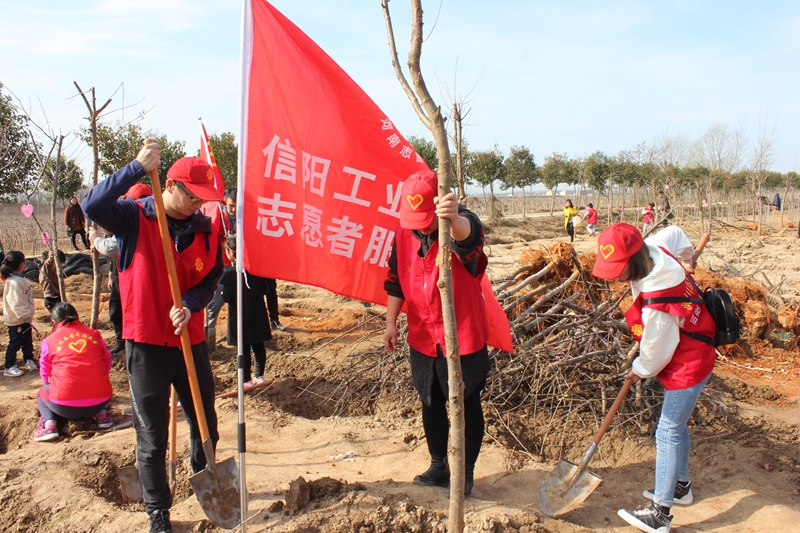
<point>675,331</point>
<point>412,278</point>
<point>151,324</point>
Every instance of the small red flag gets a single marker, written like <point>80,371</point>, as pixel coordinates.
<point>208,154</point>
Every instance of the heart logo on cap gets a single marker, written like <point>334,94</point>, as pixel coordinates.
<point>27,210</point>
<point>607,250</point>
<point>210,174</point>
<point>415,201</point>
<point>77,346</point>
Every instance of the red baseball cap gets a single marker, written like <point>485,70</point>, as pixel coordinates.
<point>197,176</point>
<point>140,190</point>
<point>615,246</point>
<point>417,210</point>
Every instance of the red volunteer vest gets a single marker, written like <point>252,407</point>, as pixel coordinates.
<point>144,286</point>
<point>693,360</point>
<point>418,277</point>
<point>220,224</point>
<point>78,371</point>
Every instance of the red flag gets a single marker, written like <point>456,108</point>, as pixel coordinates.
<point>499,328</point>
<point>208,154</point>
<point>322,166</point>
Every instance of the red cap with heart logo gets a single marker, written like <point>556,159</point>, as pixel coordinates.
<point>417,210</point>
<point>197,176</point>
<point>617,244</point>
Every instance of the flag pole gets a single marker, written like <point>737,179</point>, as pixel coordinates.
<point>245,53</point>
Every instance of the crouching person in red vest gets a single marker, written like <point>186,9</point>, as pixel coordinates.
<point>412,278</point>
<point>74,366</point>
<point>675,339</point>
<point>150,324</point>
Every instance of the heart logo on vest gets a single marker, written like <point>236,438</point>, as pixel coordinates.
<point>606,250</point>
<point>415,201</point>
<point>27,210</point>
<point>77,346</point>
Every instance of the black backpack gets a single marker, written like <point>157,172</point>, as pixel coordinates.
<point>720,305</point>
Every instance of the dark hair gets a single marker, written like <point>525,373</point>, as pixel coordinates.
<point>231,193</point>
<point>570,202</point>
<point>592,206</point>
<point>230,241</point>
<point>640,264</point>
<point>11,263</point>
<point>652,204</point>
<point>64,313</point>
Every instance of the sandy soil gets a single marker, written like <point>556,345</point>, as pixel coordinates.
<point>360,462</point>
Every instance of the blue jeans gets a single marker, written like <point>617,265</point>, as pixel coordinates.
<point>672,441</point>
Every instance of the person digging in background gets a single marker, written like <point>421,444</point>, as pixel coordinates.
<point>74,365</point>
<point>223,220</point>
<point>17,314</point>
<point>412,279</point>
<point>75,221</point>
<point>591,220</point>
<point>48,279</point>
<point>151,325</point>
<point>255,323</point>
<point>671,348</point>
<point>570,212</point>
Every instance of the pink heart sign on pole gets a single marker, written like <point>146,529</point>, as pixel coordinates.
<point>27,210</point>
<point>46,238</point>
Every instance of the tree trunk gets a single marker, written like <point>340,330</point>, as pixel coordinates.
<point>430,115</point>
<point>54,225</point>
<point>553,200</point>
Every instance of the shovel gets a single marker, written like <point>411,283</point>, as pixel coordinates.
<point>129,483</point>
<point>173,440</point>
<point>568,485</point>
<point>216,487</point>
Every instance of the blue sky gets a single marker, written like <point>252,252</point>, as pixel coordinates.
<point>570,77</point>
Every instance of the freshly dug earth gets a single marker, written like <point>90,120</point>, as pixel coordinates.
<point>357,462</point>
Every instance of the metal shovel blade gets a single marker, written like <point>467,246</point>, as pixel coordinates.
<point>557,497</point>
<point>130,484</point>
<point>218,493</point>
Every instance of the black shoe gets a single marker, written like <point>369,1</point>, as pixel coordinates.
<point>277,325</point>
<point>438,475</point>
<point>681,496</point>
<point>159,521</point>
<point>651,519</point>
<point>469,482</point>
<point>117,348</point>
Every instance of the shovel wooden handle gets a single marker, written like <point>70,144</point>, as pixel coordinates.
<point>186,346</point>
<point>613,411</point>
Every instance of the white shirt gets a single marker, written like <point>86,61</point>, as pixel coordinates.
<point>661,333</point>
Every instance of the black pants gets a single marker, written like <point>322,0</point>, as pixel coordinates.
<point>260,355</point>
<point>115,310</point>
<point>20,336</point>
<point>82,233</point>
<point>571,232</point>
<point>151,370</point>
<point>437,426</point>
<point>272,299</point>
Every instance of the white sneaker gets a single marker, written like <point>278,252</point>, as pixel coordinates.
<point>31,365</point>
<point>13,372</point>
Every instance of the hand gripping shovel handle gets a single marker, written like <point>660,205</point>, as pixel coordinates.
<point>186,345</point>
<point>587,456</point>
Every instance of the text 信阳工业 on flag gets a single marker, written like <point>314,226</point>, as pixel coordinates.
<point>323,169</point>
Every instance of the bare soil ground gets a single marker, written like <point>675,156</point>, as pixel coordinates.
<point>359,460</point>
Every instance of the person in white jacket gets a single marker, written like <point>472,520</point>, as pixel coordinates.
<point>17,314</point>
<point>675,333</point>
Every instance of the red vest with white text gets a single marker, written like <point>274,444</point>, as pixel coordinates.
<point>418,277</point>
<point>78,371</point>
<point>144,286</point>
<point>693,360</point>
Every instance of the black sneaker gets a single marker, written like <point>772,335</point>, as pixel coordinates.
<point>277,325</point>
<point>438,475</point>
<point>159,521</point>
<point>681,496</point>
<point>650,519</point>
